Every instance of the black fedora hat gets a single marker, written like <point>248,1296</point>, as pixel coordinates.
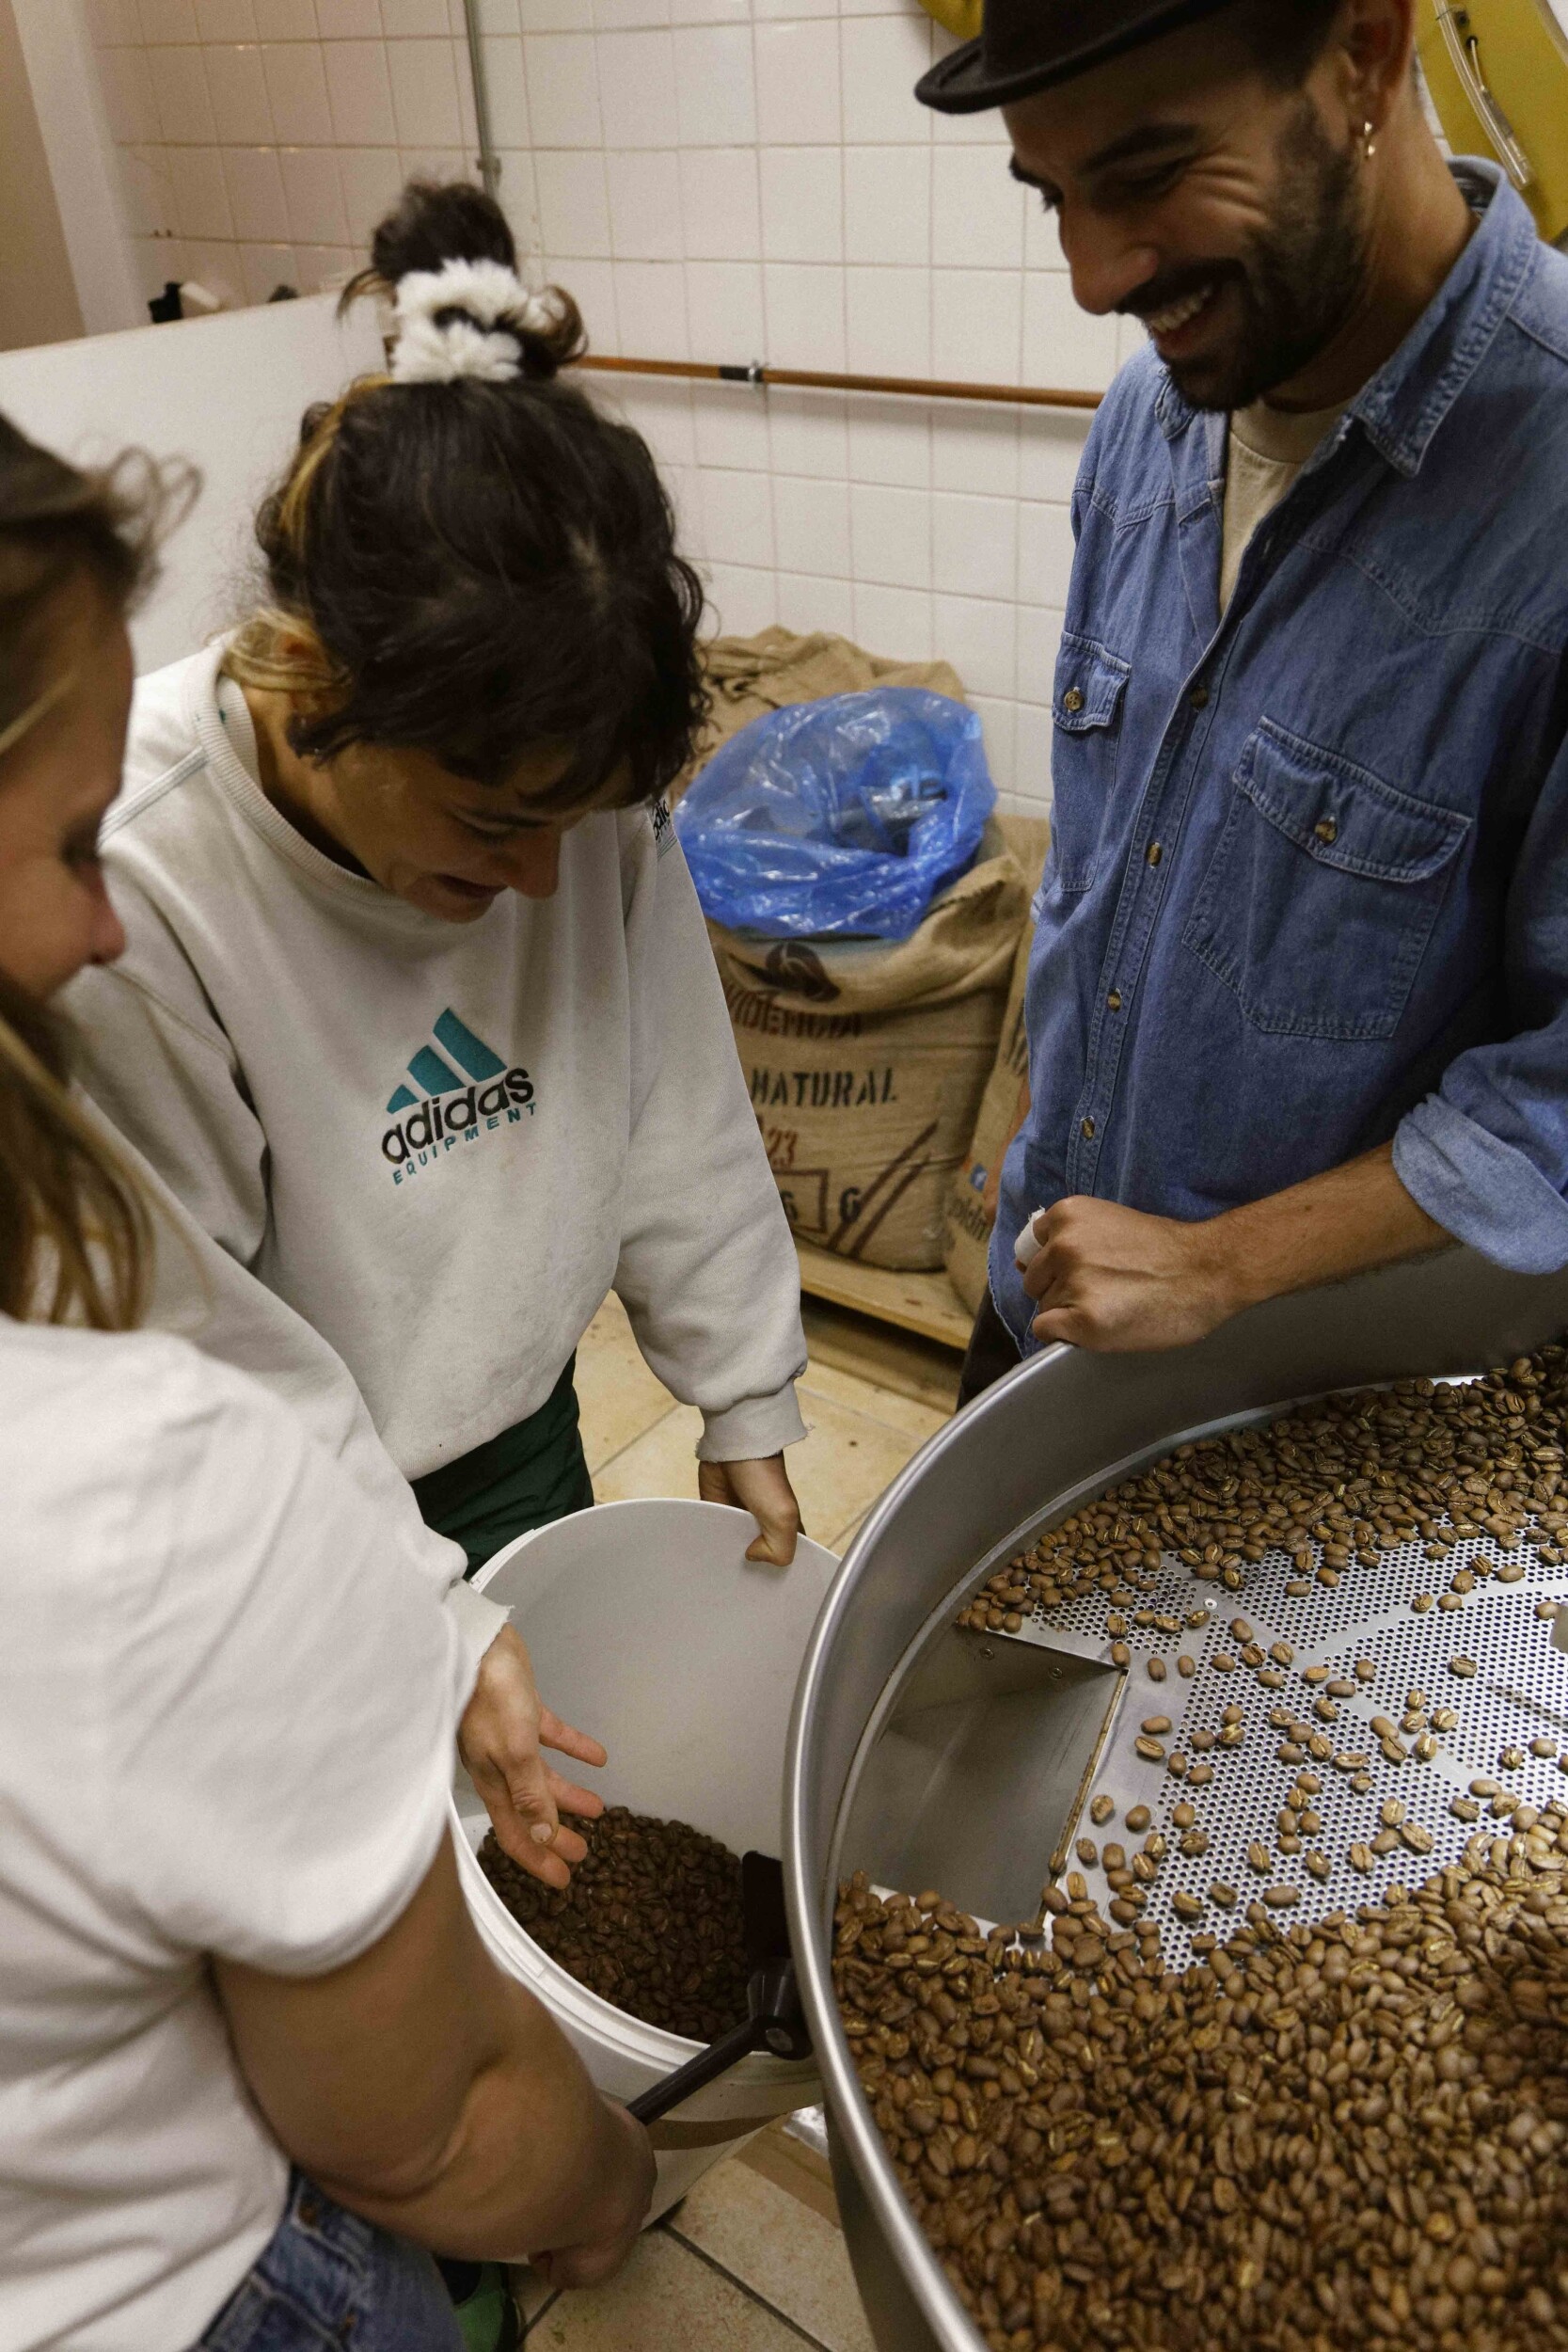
<point>1027,45</point>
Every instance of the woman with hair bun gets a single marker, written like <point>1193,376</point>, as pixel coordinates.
<point>418,1015</point>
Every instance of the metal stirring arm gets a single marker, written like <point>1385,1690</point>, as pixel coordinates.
<point>777,2023</point>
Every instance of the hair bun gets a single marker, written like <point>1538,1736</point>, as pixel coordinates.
<point>436,223</point>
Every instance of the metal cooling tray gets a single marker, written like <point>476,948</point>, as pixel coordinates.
<point>932,1757</point>
<point>1518,1693</point>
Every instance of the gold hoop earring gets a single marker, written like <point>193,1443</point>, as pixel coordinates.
<point>1368,144</point>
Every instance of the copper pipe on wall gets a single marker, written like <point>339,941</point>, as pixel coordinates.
<point>823,380</point>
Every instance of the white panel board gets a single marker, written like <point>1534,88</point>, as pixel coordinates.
<point>227,393</point>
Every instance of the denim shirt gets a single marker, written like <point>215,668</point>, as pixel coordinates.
<point>1307,886</point>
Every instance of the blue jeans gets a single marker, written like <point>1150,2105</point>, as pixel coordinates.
<point>325,2279</point>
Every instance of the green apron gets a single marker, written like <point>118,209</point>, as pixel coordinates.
<point>522,1478</point>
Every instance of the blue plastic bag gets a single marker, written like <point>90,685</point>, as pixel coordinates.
<point>842,817</point>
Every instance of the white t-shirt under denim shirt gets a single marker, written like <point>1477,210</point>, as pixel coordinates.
<point>227,1693</point>
<point>1265,450</point>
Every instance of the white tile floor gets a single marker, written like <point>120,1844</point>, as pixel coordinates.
<point>752,2260</point>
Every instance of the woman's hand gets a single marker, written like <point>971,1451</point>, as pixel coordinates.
<point>631,2172</point>
<point>504,1727</point>
<point>763,1488</point>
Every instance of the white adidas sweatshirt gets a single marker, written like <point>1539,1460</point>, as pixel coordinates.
<point>441,1144</point>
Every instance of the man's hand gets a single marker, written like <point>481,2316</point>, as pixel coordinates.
<point>763,1488</point>
<point>504,1727</point>
<point>1112,1279</point>
<point>1115,1279</point>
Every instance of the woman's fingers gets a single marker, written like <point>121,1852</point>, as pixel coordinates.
<point>569,1847</point>
<point>569,1798</point>
<point>761,1487</point>
<point>567,1740</point>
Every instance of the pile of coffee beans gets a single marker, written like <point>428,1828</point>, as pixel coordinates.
<point>1317,2138</point>
<point>1336,1484</point>
<point>652,1921</point>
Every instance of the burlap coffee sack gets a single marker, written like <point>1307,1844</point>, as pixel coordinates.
<point>866,1061</point>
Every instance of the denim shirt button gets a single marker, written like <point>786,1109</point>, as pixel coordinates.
<point>1088,1131</point>
<point>1114,1000</point>
<point>1198,698</point>
<point>1153,854</point>
<point>1326,830</point>
<point>1072,700</point>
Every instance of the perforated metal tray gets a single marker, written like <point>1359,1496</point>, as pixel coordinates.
<point>1518,1693</point>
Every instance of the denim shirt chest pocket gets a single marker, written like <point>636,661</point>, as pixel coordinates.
<point>1322,891</point>
<point>1086,705</point>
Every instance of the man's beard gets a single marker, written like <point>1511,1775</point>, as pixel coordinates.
<point>1298,283</point>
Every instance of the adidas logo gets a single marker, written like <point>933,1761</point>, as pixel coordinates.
<point>450,1107</point>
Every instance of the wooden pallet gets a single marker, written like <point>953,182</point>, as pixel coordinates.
<point>925,1303</point>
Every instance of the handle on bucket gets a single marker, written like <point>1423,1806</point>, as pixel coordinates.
<point>777,2023</point>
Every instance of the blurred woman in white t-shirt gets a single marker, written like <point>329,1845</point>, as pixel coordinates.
<point>253,2058</point>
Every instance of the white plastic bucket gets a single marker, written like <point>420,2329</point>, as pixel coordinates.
<point>650,1628</point>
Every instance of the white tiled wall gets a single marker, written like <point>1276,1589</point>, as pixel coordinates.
<point>261,139</point>
<point>738,180</point>
<point>722,180</point>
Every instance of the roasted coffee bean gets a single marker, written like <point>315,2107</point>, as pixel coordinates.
<point>1155,1725</point>
<point>1342,2137</point>
<point>1342,1480</point>
<point>652,1921</point>
<point>1139,1819</point>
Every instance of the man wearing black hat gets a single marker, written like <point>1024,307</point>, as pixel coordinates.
<point>1298,1003</point>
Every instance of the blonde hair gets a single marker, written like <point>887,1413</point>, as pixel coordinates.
<point>75,1240</point>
